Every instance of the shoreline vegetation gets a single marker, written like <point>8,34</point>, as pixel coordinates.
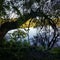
<point>18,51</point>
<point>31,23</point>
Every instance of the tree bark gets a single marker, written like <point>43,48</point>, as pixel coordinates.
<point>13,25</point>
<point>5,27</point>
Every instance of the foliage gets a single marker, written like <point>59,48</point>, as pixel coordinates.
<point>55,50</point>
<point>20,51</point>
<point>25,10</point>
<point>17,35</point>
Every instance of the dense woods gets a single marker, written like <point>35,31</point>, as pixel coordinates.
<point>36,13</point>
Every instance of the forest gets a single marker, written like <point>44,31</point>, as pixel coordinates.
<point>30,29</point>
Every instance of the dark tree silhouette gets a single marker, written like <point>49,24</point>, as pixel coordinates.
<point>29,11</point>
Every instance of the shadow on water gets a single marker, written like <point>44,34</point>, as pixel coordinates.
<point>22,50</point>
<point>33,33</point>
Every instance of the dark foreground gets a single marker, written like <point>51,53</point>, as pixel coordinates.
<point>27,53</point>
<point>18,51</point>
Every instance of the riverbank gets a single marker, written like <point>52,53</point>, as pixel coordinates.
<point>15,52</point>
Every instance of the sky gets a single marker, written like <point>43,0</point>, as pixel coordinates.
<point>47,8</point>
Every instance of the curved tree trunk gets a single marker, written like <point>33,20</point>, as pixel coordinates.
<point>13,25</point>
<point>2,34</point>
<point>5,27</point>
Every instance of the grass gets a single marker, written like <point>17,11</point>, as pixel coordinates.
<point>27,53</point>
<point>19,51</point>
<point>55,50</point>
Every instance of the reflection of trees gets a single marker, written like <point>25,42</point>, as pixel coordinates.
<point>17,35</point>
<point>30,9</point>
<point>45,37</point>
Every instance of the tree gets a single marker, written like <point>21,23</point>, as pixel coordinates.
<point>26,9</point>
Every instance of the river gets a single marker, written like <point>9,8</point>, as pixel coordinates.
<point>33,32</point>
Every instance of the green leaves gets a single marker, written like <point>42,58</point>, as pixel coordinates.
<point>2,11</point>
<point>7,7</point>
<point>26,43</point>
<point>17,35</point>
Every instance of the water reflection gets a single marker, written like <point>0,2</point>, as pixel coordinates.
<point>33,32</point>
